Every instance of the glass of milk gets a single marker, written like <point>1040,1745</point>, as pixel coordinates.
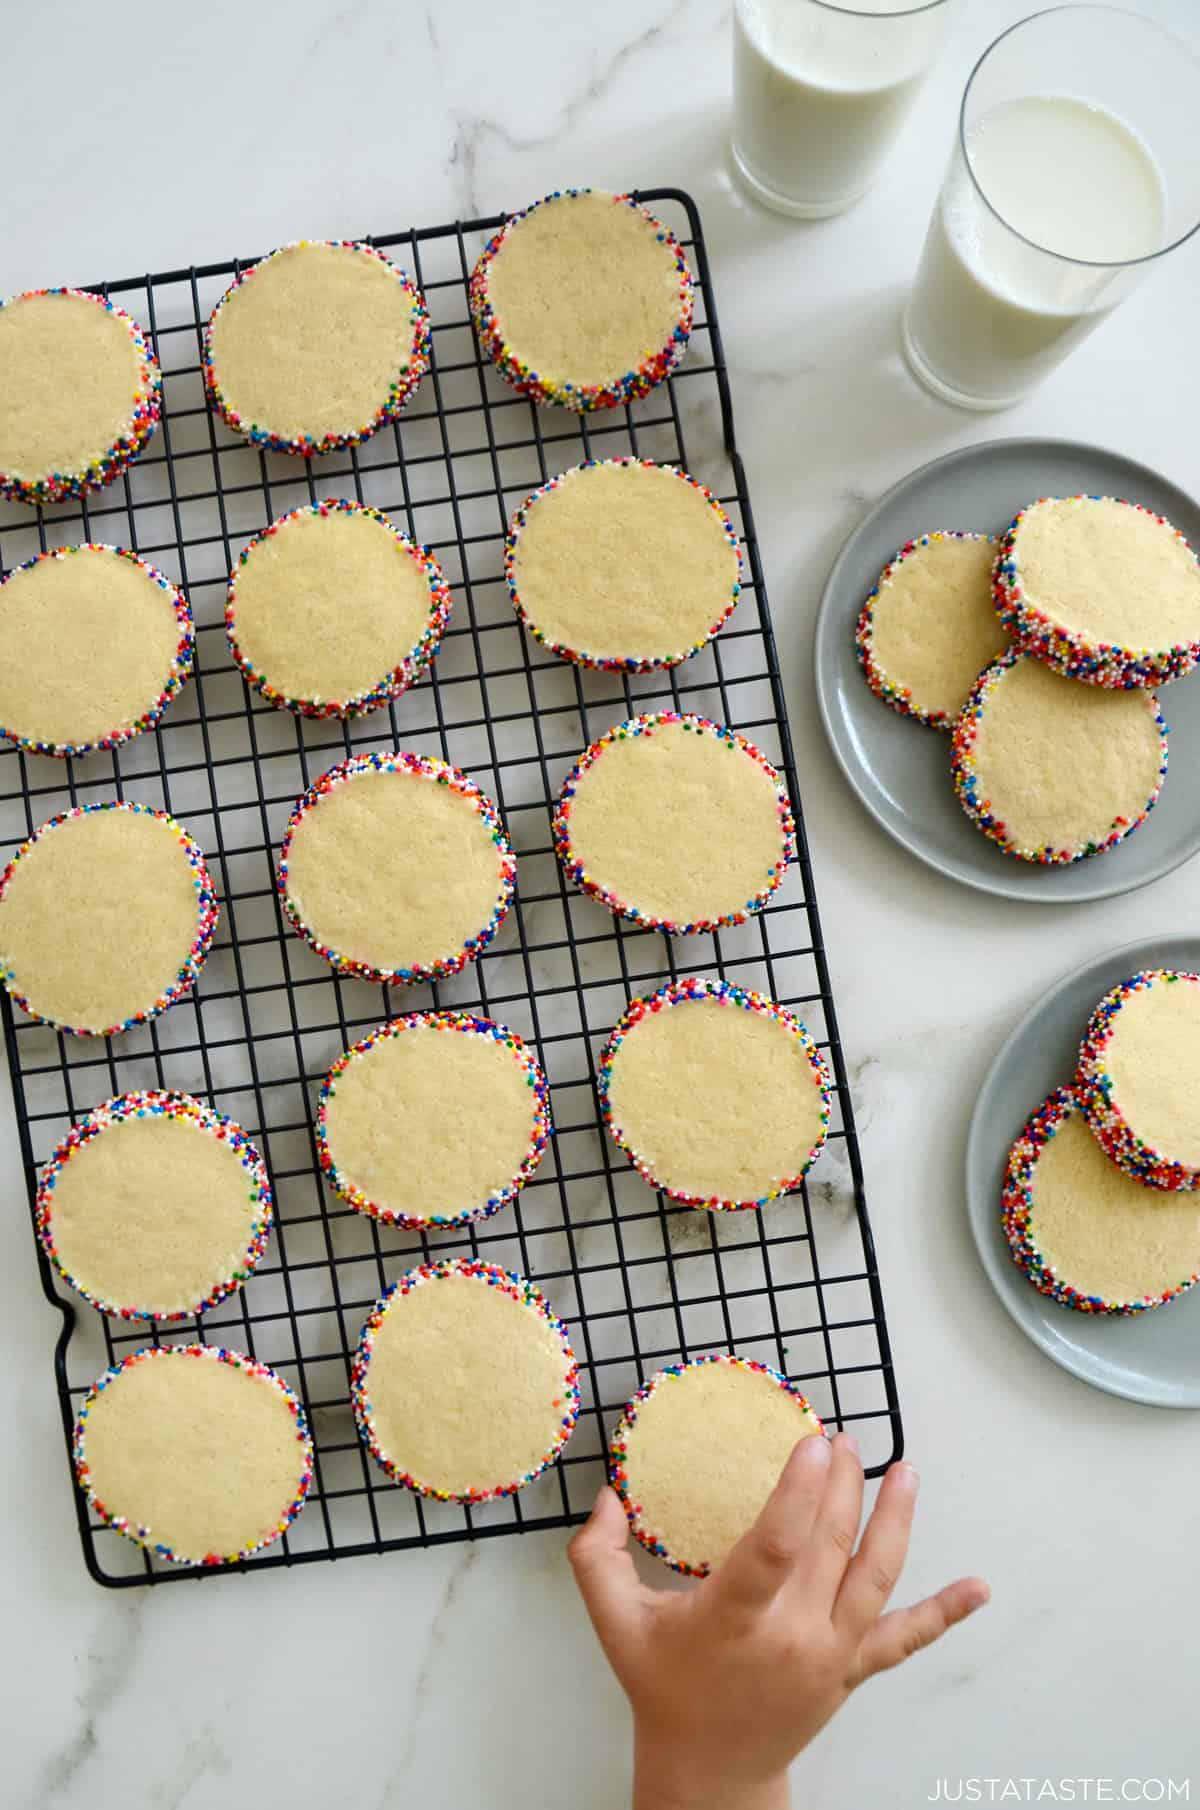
<point>821,90</point>
<point>1075,171</point>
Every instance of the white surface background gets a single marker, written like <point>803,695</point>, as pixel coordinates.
<point>468,1677</point>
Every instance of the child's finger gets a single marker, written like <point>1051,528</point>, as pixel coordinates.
<point>763,1559</point>
<point>836,1527</point>
<point>903,1632</point>
<point>873,1571</point>
<point>604,1570</point>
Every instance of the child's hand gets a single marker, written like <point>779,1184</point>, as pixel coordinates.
<point>730,1680</point>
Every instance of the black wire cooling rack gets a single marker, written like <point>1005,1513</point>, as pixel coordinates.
<point>639,1282</point>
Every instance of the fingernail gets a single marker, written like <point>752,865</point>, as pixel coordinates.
<point>813,1450</point>
<point>849,1439</point>
<point>908,1477</point>
<point>980,1595</point>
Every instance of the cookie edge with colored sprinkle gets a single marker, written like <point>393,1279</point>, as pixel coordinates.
<point>966,781</point>
<point>646,725</point>
<point>618,1446</point>
<point>581,398</point>
<point>447,1022</point>
<point>159,1103</point>
<point>422,767</point>
<point>527,1295</point>
<point>393,683</point>
<point>206,901</point>
<point>403,385</point>
<point>142,1536</point>
<point>680,992</point>
<point>1094,1088</point>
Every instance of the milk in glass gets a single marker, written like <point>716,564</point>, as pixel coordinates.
<point>820,92</point>
<point>991,312</point>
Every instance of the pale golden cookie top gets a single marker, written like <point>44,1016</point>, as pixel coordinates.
<point>676,823</point>
<point>80,393</point>
<point>699,1450</point>
<point>583,299</point>
<point>133,888</point>
<point>396,867</point>
<point>331,610</point>
<point>623,564</point>
<point>94,644</point>
<point>316,346</point>
<point>196,1452</point>
<point>155,1207</point>
<point>464,1384</point>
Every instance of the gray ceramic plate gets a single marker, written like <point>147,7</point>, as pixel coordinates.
<point>1148,1357</point>
<point>899,768</point>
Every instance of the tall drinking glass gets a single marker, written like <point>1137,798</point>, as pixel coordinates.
<point>1075,171</point>
<point>821,90</point>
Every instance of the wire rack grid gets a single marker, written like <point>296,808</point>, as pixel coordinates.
<point>639,1282</point>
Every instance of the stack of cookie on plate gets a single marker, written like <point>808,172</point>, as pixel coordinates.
<point>1040,655</point>
<point>1101,1196</point>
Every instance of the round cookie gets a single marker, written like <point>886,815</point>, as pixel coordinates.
<point>1139,1076</point>
<point>94,644</point>
<point>332,611</point>
<point>80,394</point>
<point>315,347</point>
<point>464,1383</point>
<point>929,627</point>
<point>155,1207</point>
<point>396,868</point>
<point>716,1095</point>
<point>698,1451</point>
<point>435,1119</point>
<point>1052,771</point>
<point>675,822</point>
<point>1086,1233</point>
<point>199,1454</point>
<point>583,299</point>
<point>1101,589</point>
<point>623,564</point>
<point>106,916</point>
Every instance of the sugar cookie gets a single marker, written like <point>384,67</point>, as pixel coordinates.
<point>435,1119</point>
<point>699,1450</point>
<point>675,822</point>
<point>1086,1233</point>
<point>80,394</point>
<point>94,644</point>
<point>332,611</point>
<point>155,1207</point>
<point>199,1454</point>
<point>583,299</point>
<point>1054,771</point>
<point>1101,589</point>
<point>717,1096</point>
<point>623,564</point>
<point>315,347</point>
<point>1139,1076</point>
<point>396,868</point>
<point>464,1385</point>
<point>106,916</point>
<point>929,627</point>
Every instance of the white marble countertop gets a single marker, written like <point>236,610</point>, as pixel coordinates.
<point>467,1677</point>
